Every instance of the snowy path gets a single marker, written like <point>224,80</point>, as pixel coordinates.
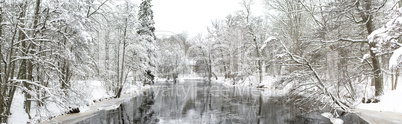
<point>99,106</point>
<point>377,117</point>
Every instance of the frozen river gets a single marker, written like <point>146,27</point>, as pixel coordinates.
<point>196,101</point>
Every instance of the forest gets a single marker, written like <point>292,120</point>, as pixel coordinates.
<point>334,51</point>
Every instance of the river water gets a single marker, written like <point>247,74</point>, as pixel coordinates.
<point>200,102</point>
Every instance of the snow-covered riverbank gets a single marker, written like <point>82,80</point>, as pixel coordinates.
<point>93,95</point>
<point>266,85</point>
<point>98,106</point>
<point>391,101</point>
<point>388,110</point>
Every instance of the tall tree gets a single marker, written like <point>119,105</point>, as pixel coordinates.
<point>147,38</point>
<point>366,10</point>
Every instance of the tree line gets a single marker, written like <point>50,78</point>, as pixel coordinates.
<point>46,46</point>
<point>322,48</point>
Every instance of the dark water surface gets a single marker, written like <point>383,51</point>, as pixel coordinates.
<point>198,102</point>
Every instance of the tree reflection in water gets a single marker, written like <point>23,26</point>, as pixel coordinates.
<point>145,115</point>
<point>220,104</point>
<point>195,102</point>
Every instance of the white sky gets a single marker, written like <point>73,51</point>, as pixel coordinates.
<point>193,16</point>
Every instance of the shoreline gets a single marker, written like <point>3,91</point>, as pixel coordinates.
<point>379,117</point>
<point>103,105</point>
<point>369,116</point>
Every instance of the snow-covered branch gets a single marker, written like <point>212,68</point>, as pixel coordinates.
<point>319,84</point>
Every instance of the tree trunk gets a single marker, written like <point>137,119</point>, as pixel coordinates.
<point>30,63</point>
<point>117,66</point>
<point>392,79</point>
<point>259,109</point>
<point>2,86</point>
<point>10,75</point>
<point>9,72</point>
<point>367,17</point>
<point>378,77</point>
<point>395,79</point>
<point>209,68</point>
<point>23,70</point>
<point>257,48</point>
<point>225,71</point>
<point>107,54</point>
<point>122,63</point>
<point>400,3</point>
<point>65,67</point>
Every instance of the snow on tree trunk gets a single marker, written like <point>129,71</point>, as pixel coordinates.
<point>147,38</point>
<point>387,37</point>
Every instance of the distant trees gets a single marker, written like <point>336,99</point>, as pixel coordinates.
<point>172,56</point>
<point>239,44</point>
<point>226,38</point>
<point>320,47</point>
<point>201,52</point>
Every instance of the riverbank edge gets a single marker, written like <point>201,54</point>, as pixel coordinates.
<point>93,109</point>
<point>353,113</point>
<point>379,117</point>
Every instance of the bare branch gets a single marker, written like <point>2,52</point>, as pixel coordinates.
<point>89,15</point>
<point>320,83</point>
<point>347,40</point>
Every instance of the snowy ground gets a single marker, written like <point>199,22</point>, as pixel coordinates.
<point>181,78</point>
<point>249,81</point>
<point>391,101</point>
<point>378,117</point>
<point>92,110</point>
<point>388,110</point>
<point>92,90</point>
<point>252,81</point>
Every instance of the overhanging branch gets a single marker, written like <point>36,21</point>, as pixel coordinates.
<point>347,40</point>
<point>320,84</point>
